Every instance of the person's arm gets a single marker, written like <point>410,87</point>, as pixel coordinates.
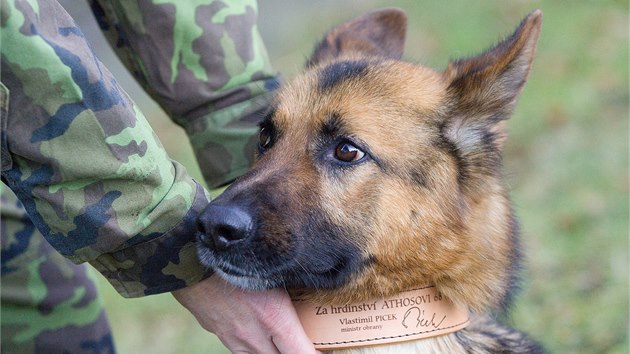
<point>85,163</point>
<point>205,64</point>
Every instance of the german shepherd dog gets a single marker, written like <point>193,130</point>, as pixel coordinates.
<point>376,175</point>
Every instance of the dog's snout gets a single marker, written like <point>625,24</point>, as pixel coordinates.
<point>224,226</point>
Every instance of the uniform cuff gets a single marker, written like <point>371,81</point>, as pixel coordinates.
<point>165,263</point>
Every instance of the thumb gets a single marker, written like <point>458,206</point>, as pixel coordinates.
<point>290,337</point>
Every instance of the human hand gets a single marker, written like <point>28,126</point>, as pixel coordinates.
<point>246,321</point>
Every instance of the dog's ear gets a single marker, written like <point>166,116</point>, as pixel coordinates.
<point>484,89</point>
<point>379,33</point>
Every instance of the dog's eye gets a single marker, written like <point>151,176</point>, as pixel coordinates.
<point>347,152</point>
<point>264,138</point>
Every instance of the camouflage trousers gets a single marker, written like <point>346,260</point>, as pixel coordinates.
<point>49,304</point>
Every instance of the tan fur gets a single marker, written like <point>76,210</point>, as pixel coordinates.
<point>407,104</point>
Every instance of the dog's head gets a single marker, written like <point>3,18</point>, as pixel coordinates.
<point>376,175</point>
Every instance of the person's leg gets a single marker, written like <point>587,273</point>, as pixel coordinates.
<point>49,304</point>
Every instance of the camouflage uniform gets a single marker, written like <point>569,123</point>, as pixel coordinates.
<point>90,174</point>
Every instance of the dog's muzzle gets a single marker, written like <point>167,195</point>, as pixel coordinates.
<point>253,239</point>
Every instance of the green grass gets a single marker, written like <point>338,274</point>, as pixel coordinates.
<point>567,162</point>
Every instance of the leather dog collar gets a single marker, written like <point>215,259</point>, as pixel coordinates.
<point>410,315</point>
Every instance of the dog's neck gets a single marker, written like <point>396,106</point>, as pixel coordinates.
<point>409,316</point>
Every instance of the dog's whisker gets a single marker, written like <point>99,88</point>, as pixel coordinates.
<point>376,279</point>
<point>308,274</point>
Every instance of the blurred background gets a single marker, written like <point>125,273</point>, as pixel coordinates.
<point>566,160</point>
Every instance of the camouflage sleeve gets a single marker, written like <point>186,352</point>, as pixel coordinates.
<point>82,159</point>
<point>205,63</point>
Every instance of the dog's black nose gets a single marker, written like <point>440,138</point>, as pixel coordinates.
<point>224,226</point>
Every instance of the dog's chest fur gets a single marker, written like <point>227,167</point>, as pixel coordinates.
<point>443,344</point>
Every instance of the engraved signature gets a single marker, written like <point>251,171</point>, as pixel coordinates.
<point>422,319</point>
